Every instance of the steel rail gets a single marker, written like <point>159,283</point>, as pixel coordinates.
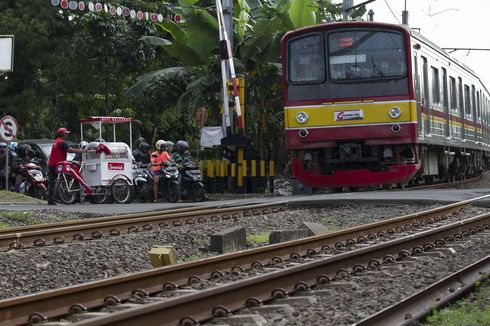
<point>57,302</point>
<point>444,184</point>
<point>218,301</point>
<point>86,229</point>
<point>438,295</point>
<point>36,227</point>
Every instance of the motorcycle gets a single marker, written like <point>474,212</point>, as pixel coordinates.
<point>141,181</point>
<point>192,185</point>
<point>168,185</point>
<point>34,183</point>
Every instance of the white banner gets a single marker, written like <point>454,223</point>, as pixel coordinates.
<point>211,136</point>
<point>6,53</point>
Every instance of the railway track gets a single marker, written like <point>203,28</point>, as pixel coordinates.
<point>96,228</point>
<point>421,304</point>
<point>277,260</point>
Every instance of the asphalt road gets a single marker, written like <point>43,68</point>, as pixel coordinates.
<point>425,196</point>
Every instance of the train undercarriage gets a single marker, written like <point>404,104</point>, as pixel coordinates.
<point>354,165</point>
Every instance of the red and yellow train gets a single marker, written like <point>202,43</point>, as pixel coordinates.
<point>369,103</point>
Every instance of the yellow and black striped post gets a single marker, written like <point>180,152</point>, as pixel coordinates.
<point>233,178</point>
<point>253,176</point>
<point>262,180</point>
<point>210,176</point>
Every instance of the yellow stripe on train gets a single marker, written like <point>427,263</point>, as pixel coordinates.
<point>331,114</point>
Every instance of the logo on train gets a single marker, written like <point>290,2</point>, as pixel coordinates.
<point>348,115</point>
<point>113,166</point>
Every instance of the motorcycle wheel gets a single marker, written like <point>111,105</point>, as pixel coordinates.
<point>143,192</point>
<point>122,192</point>
<point>37,192</point>
<point>198,192</point>
<point>68,189</point>
<point>173,193</point>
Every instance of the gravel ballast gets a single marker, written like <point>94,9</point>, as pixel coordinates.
<point>38,269</point>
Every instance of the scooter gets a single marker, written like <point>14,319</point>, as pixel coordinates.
<point>192,185</point>
<point>141,182</point>
<point>34,183</point>
<point>168,184</point>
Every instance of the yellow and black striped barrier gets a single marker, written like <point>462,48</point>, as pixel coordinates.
<point>254,176</point>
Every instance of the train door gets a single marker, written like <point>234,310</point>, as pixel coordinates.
<point>445,102</point>
<point>418,95</point>
<point>425,98</point>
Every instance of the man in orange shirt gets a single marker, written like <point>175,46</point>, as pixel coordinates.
<point>158,159</point>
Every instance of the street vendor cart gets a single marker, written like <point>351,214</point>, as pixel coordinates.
<point>105,173</point>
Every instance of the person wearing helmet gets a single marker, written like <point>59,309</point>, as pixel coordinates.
<point>78,157</point>
<point>170,147</point>
<point>59,151</point>
<point>143,153</point>
<point>158,159</point>
<point>138,142</point>
<point>181,148</point>
<point>18,166</point>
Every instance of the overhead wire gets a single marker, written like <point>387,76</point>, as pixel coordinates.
<point>392,12</point>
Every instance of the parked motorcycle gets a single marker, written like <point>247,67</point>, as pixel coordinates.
<point>168,186</point>
<point>192,185</point>
<point>34,183</point>
<point>143,190</point>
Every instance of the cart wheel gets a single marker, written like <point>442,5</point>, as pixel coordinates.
<point>122,192</point>
<point>68,189</point>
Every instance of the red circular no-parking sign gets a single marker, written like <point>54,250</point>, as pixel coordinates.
<point>8,128</point>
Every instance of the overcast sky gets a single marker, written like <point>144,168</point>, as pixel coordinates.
<point>448,23</point>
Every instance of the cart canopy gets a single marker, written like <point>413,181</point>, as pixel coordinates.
<point>106,120</point>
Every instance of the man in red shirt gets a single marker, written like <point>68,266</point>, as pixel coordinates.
<point>59,150</point>
<point>158,158</point>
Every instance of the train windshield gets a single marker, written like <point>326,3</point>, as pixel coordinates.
<point>361,55</point>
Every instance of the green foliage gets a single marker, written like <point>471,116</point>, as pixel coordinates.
<point>302,13</point>
<point>465,313</point>
<point>4,225</point>
<point>22,218</point>
<point>72,64</point>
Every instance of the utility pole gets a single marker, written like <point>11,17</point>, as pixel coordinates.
<point>347,9</point>
<point>405,15</point>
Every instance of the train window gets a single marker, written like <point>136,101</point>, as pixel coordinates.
<point>306,61</point>
<point>436,87</point>
<point>355,55</point>
<point>460,91</point>
<point>454,97</point>
<point>473,100</point>
<point>467,100</point>
<point>478,109</point>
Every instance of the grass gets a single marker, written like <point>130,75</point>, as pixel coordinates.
<point>465,313</point>
<point>14,197</point>
<point>23,218</point>
<point>260,238</point>
<point>4,225</point>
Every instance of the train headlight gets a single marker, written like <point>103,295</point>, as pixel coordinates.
<point>302,117</point>
<point>395,112</point>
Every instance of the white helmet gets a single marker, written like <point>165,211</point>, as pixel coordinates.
<point>159,143</point>
<point>83,145</point>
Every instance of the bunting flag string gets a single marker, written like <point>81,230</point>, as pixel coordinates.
<point>115,10</point>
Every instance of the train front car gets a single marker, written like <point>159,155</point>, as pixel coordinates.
<point>350,109</point>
